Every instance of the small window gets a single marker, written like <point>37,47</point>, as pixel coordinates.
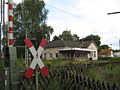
<point>68,55</point>
<point>81,55</point>
<point>50,54</point>
<point>94,53</point>
<point>72,55</point>
<point>56,54</point>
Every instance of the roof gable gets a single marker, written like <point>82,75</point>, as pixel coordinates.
<point>86,44</point>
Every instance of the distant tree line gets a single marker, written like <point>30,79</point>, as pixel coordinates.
<point>66,35</point>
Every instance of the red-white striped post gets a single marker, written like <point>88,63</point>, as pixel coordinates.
<point>36,55</point>
<point>10,23</point>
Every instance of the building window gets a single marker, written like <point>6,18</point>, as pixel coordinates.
<point>72,55</point>
<point>68,55</point>
<point>94,53</point>
<point>50,54</point>
<point>56,54</point>
<point>81,55</point>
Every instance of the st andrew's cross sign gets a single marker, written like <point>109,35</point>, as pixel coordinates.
<point>37,59</point>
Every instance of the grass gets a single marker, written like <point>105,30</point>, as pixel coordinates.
<point>108,73</point>
<point>61,62</point>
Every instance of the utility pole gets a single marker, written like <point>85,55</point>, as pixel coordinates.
<point>1,19</point>
<point>119,47</point>
<point>13,70</point>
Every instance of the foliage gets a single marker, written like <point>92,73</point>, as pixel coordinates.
<point>31,15</point>
<point>1,63</point>
<point>95,38</point>
<point>75,37</point>
<point>103,47</point>
<point>20,64</point>
<point>56,38</point>
<point>4,39</point>
<point>111,59</point>
<point>73,77</point>
<point>105,58</point>
<point>109,73</point>
<point>60,62</point>
<point>117,50</point>
<point>20,52</point>
<point>67,36</point>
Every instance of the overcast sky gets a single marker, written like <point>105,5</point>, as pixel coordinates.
<point>85,17</point>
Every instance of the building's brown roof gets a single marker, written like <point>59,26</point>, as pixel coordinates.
<point>105,52</point>
<point>62,43</point>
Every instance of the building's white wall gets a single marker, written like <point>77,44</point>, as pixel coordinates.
<point>53,51</point>
<point>111,54</point>
<point>56,50</point>
<point>117,54</point>
<point>93,47</point>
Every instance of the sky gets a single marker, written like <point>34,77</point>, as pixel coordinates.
<point>85,17</point>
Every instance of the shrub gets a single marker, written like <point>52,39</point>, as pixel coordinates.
<point>110,58</point>
<point>1,63</point>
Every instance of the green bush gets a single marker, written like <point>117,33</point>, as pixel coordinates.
<point>1,63</point>
<point>110,58</point>
<point>20,64</point>
<point>115,58</point>
<point>105,58</point>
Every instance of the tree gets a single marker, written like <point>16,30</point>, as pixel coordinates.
<point>47,31</point>
<point>31,16</point>
<point>95,38</point>
<point>67,36</point>
<point>4,39</point>
<point>75,37</point>
<point>103,47</point>
<point>56,38</point>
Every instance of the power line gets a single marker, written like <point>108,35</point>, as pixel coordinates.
<point>78,17</point>
<point>69,4</point>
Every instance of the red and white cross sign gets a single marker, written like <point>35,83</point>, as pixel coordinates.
<point>37,59</point>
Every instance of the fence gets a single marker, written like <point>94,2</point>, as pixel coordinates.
<point>67,78</point>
